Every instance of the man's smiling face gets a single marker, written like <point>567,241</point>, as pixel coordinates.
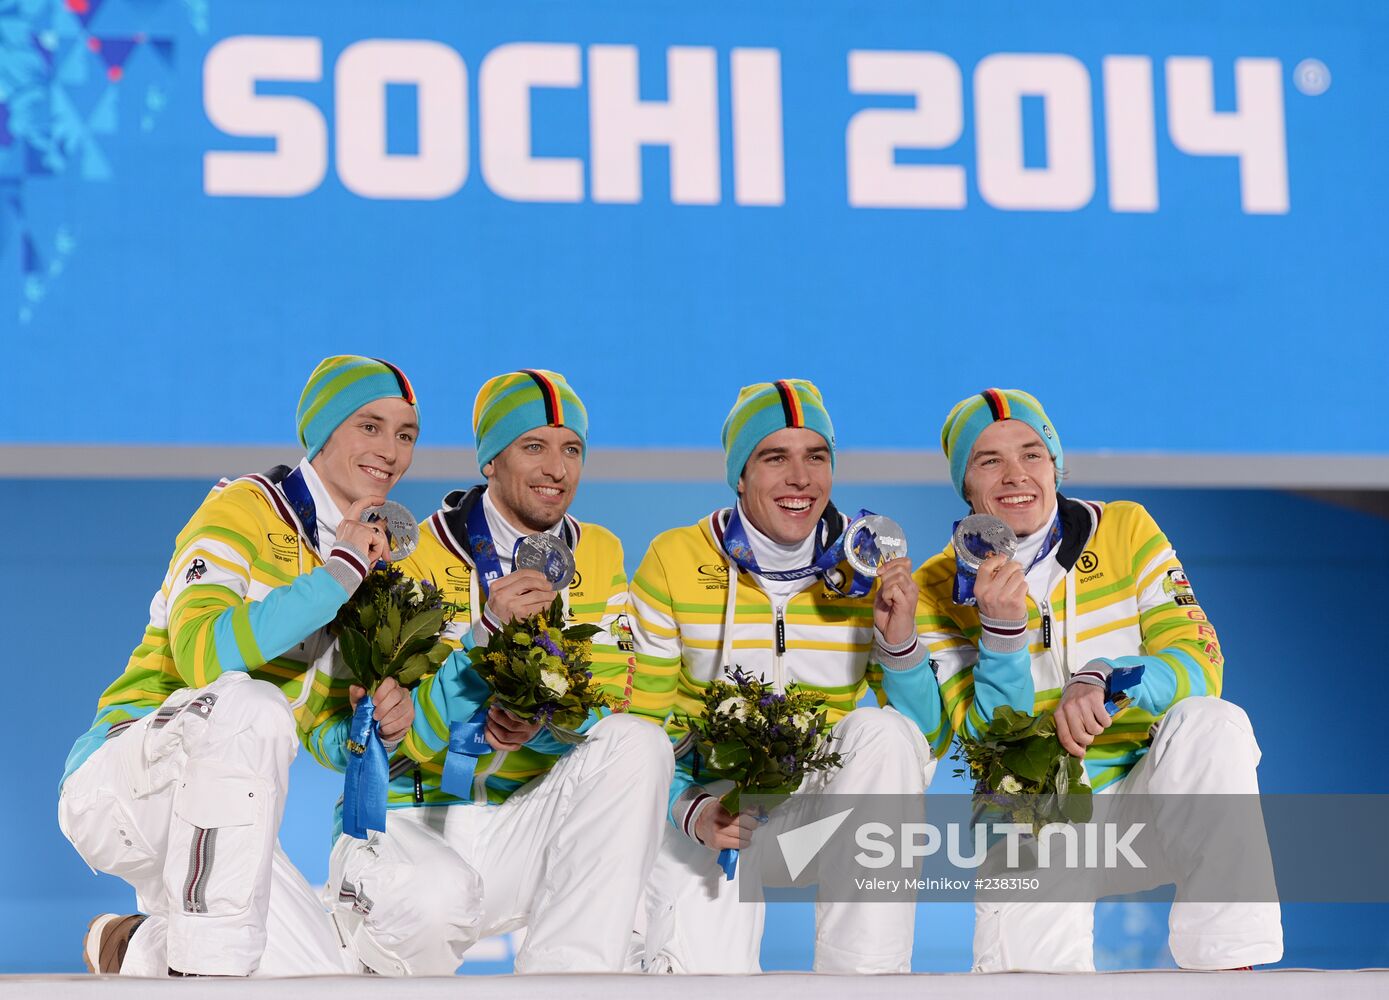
<point>785,486</point>
<point>1011,476</point>
<point>532,481</point>
<point>368,452</point>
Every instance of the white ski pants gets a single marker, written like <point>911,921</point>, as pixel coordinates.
<point>185,805</point>
<point>1203,746</point>
<point>695,922</point>
<point>566,856</point>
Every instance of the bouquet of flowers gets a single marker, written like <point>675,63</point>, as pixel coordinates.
<point>539,669</point>
<point>763,741</point>
<point>1020,769</point>
<point>390,628</point>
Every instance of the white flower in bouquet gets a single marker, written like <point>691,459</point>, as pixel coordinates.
<point>734,708</point>
<point>555,681</point>
<point>803,721</point>
<point>1010,785</point>
<point>416,591</point>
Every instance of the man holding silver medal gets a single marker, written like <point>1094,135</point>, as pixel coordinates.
<point>560,836</point>
<point>1082,607</point>
<point>761,586</point>
<point>180,784</point>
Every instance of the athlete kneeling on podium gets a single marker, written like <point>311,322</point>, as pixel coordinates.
<point>180,784</point>
<point>1094,589</point>
<point>554,838</point>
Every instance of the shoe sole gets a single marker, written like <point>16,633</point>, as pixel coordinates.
<point>91,944</point>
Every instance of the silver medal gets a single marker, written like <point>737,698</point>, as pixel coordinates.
<point>872,540</point>
<point>402,531</point>
<point>979,536</point>
<point>549,554</point>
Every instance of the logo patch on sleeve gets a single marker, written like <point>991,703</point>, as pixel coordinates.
<point>1176,586</point>
<point>195,571</point>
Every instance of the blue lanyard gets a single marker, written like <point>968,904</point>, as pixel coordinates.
<point>739,549</point>
<point>296,491</point>
<point>483,550</point>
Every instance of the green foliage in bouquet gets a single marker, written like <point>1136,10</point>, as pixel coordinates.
<point>764,741</point>
<point>539,669</point>
<point>1020,768</point>
<point>391,628</point>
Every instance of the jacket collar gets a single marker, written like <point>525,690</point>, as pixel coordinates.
<point>1079,521</point>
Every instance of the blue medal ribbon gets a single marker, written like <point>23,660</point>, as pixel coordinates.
<point>368,774</point>
<point>965,577</point>
<point>466,745</point>
<point>827,557</point>
<point>300,500</point>
<point>482,549</point>
<point>728,861</point>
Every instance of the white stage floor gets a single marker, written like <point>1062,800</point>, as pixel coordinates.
<point>1280,984</point>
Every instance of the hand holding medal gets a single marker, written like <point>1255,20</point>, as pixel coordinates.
<point>549,555</point>
<point>979,536</point>
<point>542,565</point>
<point>402,531</point>
<point>986,574</point>
<point>871,540</point>
<point>876,546</point>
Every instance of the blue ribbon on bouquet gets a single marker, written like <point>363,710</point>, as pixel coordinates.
<point>368,774</point>
<point>466,745</point>
<point>1121,679</point>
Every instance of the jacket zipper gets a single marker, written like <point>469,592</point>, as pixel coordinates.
<point>779,649</point>
<point>1044,606</point>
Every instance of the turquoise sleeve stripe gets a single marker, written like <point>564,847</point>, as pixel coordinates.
<point>281,619</point>
<point>245,638</point>
<point>916,694</point>
<point>1167,679</point>
<point>999,679</point>
<point>329,742</point>
<point>455,695</point>
<point>430,705</point>
<point>224,644</point>
<point>85,746</point>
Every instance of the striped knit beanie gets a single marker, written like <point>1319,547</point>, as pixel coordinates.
<point>971,415</point>
<point>509,405</point>
<point>338,387</point>
<point>765,408</point>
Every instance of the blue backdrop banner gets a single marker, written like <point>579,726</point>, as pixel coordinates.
<point>1166,214</point>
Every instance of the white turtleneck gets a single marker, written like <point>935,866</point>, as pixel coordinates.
<point>1030,545</point>
<point>777,557</point>
<point>326,511</point>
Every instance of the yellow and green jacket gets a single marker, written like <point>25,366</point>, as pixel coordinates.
<point>693,615</point>
<point>1115,592</point>
<point>246,591</point>
<point>596,595</point>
